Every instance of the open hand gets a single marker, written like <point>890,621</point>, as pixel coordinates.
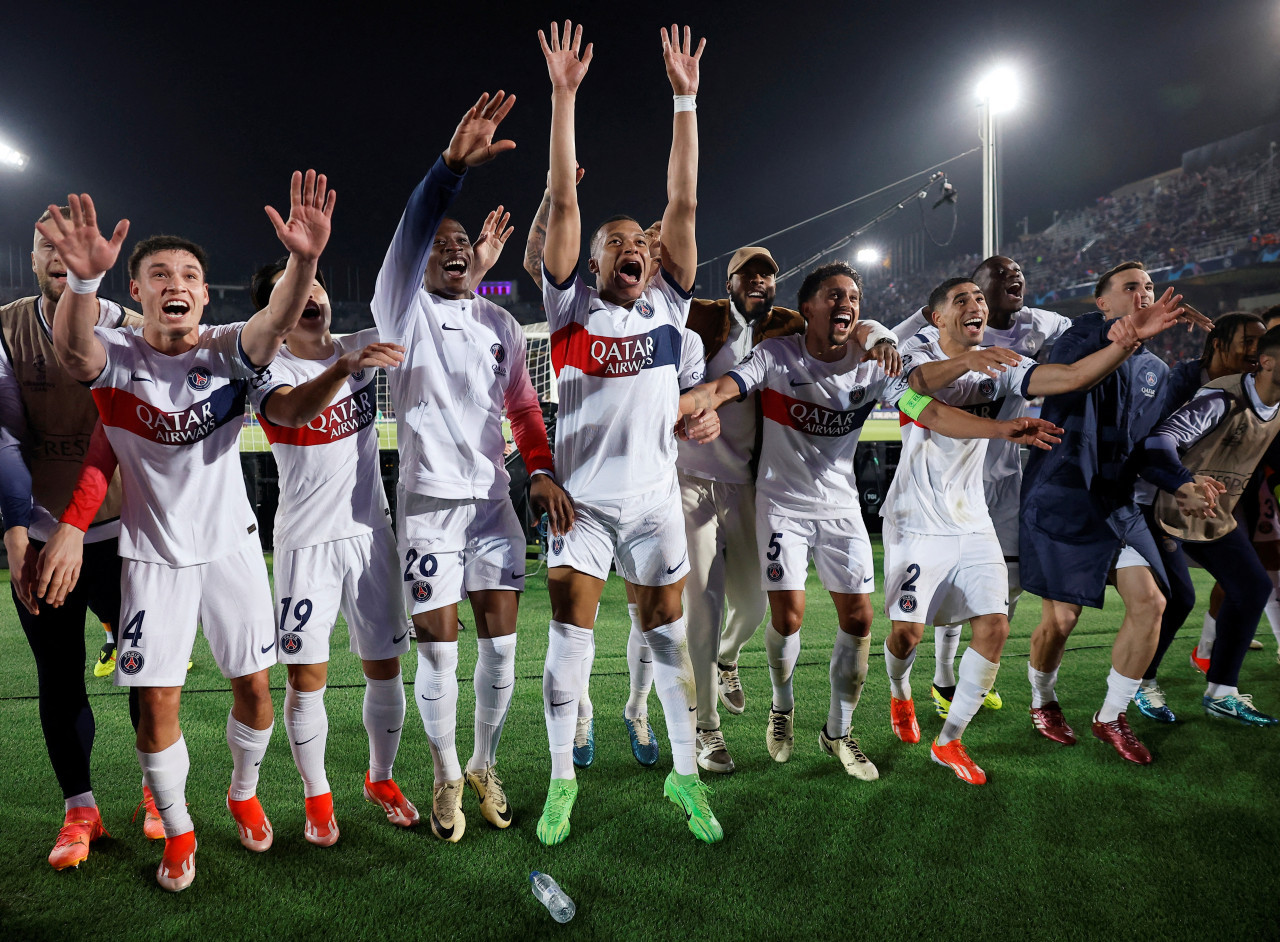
<point>80,245</point>
<point>887,355</point>
<point>991,360</point>
<point>385,355</point>
<point>681,60</point>
<point>1039,433</point>
<point>472,143</point>
<point>311,202</point>
<point>564,64</point>
<point>493,236</point>
<point>1163,314</point>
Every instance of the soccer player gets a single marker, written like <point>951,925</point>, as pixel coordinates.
<point>1029,332</point>
<point>46,419</point>
<point>334,547</point>
<point>458,533</point>
<point>817,392</point>
<point>1080,527</point>
<point>1210,448</point>
<point>171,396</point>
<point>943,559</point>
<point>616,348</point>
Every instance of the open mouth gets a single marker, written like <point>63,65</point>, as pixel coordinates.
<point>176,308</point>
<point>311,311</point>
<point>58,274</point>
<point>630,272</point>
<point>756,295</point>
<point>842,320</point>
<point>455,267</point>
<point>972,323</point>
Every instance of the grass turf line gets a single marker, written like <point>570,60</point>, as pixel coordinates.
<point>1064,843</point>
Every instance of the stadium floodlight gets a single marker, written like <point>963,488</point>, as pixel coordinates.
<point>867,256</point>
<point>997,93</point>
<point>11,158</point>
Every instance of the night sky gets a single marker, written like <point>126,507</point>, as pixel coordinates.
<point>188,118</point>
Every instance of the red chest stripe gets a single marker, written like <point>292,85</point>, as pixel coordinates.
<point>339,420</point>
<point>121,409</point>
<point>614,356</point>
<point>809,418</point>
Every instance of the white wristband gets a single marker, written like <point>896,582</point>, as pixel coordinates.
<point>83,285</point>
<point>686,103</point>
<point>879,334</point>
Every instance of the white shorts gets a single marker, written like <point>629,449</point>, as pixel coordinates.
<point>645,534</point>
<point>1127,558</point>
<point>159,608</point>
<point>359,576</point>
<point>1267,529</point>
<point>451,547</point>
<point>839,547</point>
<point>941,580</point>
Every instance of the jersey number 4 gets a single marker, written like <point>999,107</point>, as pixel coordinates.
<point>133,631</point>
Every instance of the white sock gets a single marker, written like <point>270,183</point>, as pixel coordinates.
<point>639,666</point>
<point>1208,634</point>
<point>307,725</point>
<point>585,709</point>
<point>568,650</point>
<point>495,680</point>
<point>946,642</point>
<point>899,672</point>
<point>165,773</point>
<point>783,652</point>
<point>673,679</point>
<point>1220,690</point>
<point>977,676</point>
<point>248,747</point>
<point>82,800</point>
<point>383,715</point>
<point>1273,605</point>
<point>436,690</point>
<point>1042,684</point>
<point>1120,690</point>
<point>848,673</point>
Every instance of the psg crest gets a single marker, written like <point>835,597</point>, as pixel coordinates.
<point>1149,377</point>
<point>644,308</point>
<point>774,572</point>
<point>198,378</point>
<point>499,352</point>
<point>290,643</point>
<point>907,603</point>
<point>557,545</point>
<point>987,387</point>
<point>358,376</point>
<point>422,591</point>
<point>131,662</point>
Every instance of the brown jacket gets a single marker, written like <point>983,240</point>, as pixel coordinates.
<point>710,321</point>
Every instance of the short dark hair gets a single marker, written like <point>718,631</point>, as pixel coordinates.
<point>595,233</point>
<point>938,296</point>
<point>1273,311</point>
<point>1101,286</point>
<point>1224,331</point>
<point>261,284</point>
<point>1270,342</point>
<point>813,281</point>
<point>166,243</point>
<point>47,215</point>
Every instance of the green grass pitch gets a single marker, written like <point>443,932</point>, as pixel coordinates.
<point>1064,843</point>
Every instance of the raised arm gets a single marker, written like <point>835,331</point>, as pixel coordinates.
<point>933,375</point>
<point>489,244</point>
<point>536,244</point>
<point>88,256</point>
<point>564,220</point>
<point>679,243</point>
<point>305,235</point>
<point>295,406</point>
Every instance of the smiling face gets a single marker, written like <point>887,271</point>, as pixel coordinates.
<point>1002,284</point>
<point>753,288</point>
<point>1128,291</point>
<point>620,261</point>
<point>51,274</point>
<point>171,289</point>
<point>962,317</point>
<point>1240,354</point>
<point>450,262</point>
<point>832,311</point>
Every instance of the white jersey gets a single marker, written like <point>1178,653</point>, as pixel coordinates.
<point>937,488</point>
<point>618,376</point>
<point>693,364</point>
<point>813,417</point>
<point>330,473</point>
<point>728,458</point>
<point>174,424</point>
<point>1031,333</point>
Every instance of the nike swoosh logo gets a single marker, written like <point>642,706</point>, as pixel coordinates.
<point>517,575</point>
<point>505,815</point>
<point>258,763</point>
<point>305,741</point>
<point>496,687</point>
<point>268,647</point>
<point>643,661</point>
<point>672,569</point>
<point>398,638</point>
<point>867,579</point>
<point>440,828</point>
<point>554,704</point>
<point>397,729</point>
<point>141,379</point>
<point>447,327</point>
<point>692,709</point>
<point>429,699</point>
<point>165,808</point>
<point>807,382</point>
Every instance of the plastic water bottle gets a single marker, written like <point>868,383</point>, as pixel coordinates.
<point>551,896</point>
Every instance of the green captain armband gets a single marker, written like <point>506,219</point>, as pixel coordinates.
<point>912,404</point>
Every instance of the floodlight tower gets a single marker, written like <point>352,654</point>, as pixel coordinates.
<point>997,93</point>
<point>11,158</point>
